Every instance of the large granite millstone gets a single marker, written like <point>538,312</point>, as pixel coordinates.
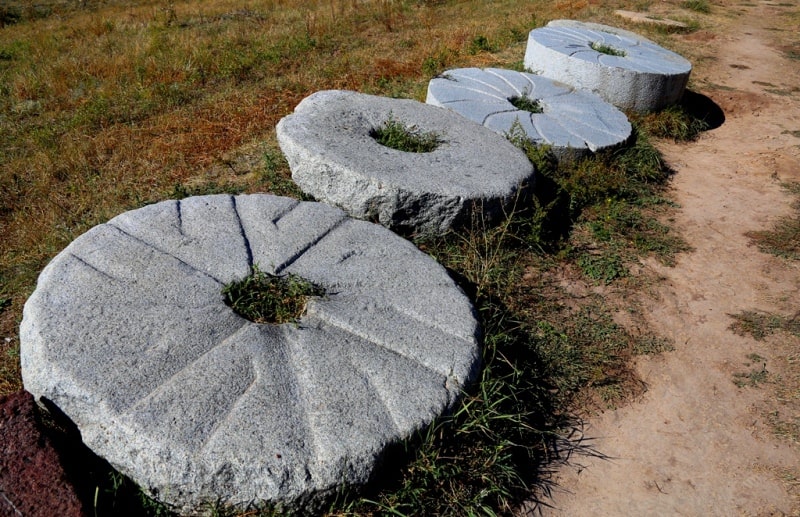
<point>128,334</point>
<point>646,77</point>
<point>573,122</point>
<point>329,145</point>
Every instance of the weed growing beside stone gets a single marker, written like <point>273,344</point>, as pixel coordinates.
<point>673,122</point>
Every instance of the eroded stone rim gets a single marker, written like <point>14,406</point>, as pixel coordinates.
<point>571,119</point>
<point>122,373</point>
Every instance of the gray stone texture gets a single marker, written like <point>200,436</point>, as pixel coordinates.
<point>647,78</point>
<point>328,144</point>
<point>128,334</point>
<point>572,122</point>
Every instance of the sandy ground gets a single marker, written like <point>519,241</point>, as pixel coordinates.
<point>696,443</point>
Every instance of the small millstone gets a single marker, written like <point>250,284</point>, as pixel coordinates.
<point>646,78</point>
<point>129,335</point>
<point>573,122</point>
<point>333,157</point>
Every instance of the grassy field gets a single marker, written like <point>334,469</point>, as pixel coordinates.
<point>106,106</point>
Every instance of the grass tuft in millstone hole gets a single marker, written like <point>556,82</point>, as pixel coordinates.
<point>395,135</point>
<point>605,49</point>
<point>265,298</point>
<point>525,103</point>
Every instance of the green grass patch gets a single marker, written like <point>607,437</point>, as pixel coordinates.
<point>182,191</point>
<point>276,175</point>
<point>752,378</point>
<point>605,266</point>
<point>603,210</point>
<point>650,344</point>
<point>759,325</point>
<point>619,224</point>
<point>396,135</point>
<point>781,92</point>
<point>480,43</point>
<point>607,49</point>
<point>698,6</point>
<point>9,16</point>
<point>271,299</point>
<point>525,103</point>
<point>672,122</point>
<point>755,376</point>
<point>783,239</point>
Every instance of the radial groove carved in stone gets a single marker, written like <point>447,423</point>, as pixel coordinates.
<point>128,334</point>
<point>570,121</point>
<point>627,70</point>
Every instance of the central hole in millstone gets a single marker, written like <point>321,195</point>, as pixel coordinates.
<point>264,298</point>
<point>525,103</point>
<point>397,136</point>
<point>606,49</point>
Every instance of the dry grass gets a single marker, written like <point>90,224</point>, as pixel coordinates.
<point>783,239</point>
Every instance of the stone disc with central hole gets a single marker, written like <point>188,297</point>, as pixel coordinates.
<point>571,121</point>
<point>645,78</point>
<point>328,144</point>
<point>128,334</point>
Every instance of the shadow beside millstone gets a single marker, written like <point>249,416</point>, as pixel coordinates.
<point>103,491</point>
<point>703,108</point>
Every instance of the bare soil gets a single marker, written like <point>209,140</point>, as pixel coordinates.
<point>33,482</point>
<point>696,443</point>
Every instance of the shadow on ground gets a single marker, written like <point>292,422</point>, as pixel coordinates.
<point>703,108</point>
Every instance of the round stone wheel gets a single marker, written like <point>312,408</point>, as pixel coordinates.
<point>129,335</point>
<point>331,149</point>
<point>642,77</point>
<point>573,122</point>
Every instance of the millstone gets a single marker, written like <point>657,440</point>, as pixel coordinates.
<point>646,77</point>
<point>128,334</point>
<point>328,144</point>
<point>572,122</point>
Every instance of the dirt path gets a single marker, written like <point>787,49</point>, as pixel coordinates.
<point>696,443</point>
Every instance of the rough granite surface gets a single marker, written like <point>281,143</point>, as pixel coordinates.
<point>572,122</point>
<point>128,334</point>
<point>646,78</point>
<point>333,157</point>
